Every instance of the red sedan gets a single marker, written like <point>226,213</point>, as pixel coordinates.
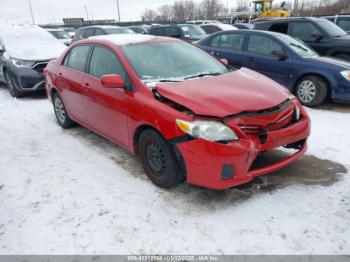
<point>186,114</point>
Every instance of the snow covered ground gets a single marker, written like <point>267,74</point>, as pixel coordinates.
<point>72,192</point>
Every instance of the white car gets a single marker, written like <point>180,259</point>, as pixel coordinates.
<point>212,28</point>
<point>61,35</point>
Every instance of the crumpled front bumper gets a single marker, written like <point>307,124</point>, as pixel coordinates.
<point>219,166</point>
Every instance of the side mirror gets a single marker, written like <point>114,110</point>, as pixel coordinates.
<point>224,61</point>
<point>317,36</point>
<point>112,81</point>
<point>280,54</point>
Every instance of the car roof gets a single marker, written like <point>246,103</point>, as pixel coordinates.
<point>101,26</point>
<point>249,31</point>
<point>54,29</point>
<point>286,19</point>
<point>127,39</point>
<point>334,16</point>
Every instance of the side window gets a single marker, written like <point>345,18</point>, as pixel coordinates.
<point>77,57</point>
<point>105,62</point>
<point>262,45</point>
<point>172,31</point>
<point>228,41</point>
<point>157,31</point>
<point>210,29</point>
<point>304,31</point>
<point>344,24</point>
<point>99,31</point>
<point>279,27</point>
<point>88,32</point>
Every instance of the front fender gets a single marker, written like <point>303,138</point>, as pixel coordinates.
<point>336,50</point>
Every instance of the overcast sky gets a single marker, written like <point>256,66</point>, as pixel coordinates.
<point>17,11</point>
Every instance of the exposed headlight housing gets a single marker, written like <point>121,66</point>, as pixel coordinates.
<point>22,63</point>
<point>346,74</point>
<point>207,130</point>
<point>297,113</point>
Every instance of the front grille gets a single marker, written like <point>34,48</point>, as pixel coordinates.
<point>39,67</point>
<point>28,82</point>
<point>256,125</point>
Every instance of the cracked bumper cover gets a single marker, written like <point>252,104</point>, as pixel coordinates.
<point>205,160</point>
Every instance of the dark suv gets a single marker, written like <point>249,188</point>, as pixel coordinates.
<point>86,32</point>
<point>185,32</point>
<point>322,35</point>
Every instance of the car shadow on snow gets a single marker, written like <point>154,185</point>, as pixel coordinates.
<point>308,170</point>
<point>334,107</point>
<point>28,97</point>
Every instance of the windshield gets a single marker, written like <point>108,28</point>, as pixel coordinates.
<point>192,30</point>
<point>331,29</point>
<point>60,34</point>
<point>115,31</point>
<point>171,61</point>
<point>297,46</point>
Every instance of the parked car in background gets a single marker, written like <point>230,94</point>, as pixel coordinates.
<point>187,32</point>
<point>70,31</point>
<point>88,31</point>
<point>202,22</point>
<point>140,29</point>
<point>213,28</point>
<point>322,35</point>
<point>290,62</point>
<point>61,35</point>
<point>24,53</point>
<point>343,21</point>
<point>243,25</point>
<point>186,114</point>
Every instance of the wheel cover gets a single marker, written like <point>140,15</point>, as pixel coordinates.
<point>59,110</point>
<point>155,158</point>
<point>9,83</point>
<point>306,91</point>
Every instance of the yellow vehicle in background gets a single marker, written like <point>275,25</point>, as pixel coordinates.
<point>264,9</point>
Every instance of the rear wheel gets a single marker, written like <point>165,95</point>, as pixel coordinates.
<point>61,112</point>
<point>11,86</point>
<point>311,90</point>
<point>159,160</point>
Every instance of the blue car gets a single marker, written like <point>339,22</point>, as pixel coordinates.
<point>290,62</point>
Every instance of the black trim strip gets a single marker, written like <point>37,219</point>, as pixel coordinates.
<point>181,139</point>
<point>268,111</point>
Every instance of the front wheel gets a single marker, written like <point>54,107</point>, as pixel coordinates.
<point>311,91</point>
<point>61,112</point>
<point>11,86</point>
<point>159,160</point>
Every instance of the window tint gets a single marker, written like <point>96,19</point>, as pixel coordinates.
<point>105,62</point>
<point>88,32</point>
<point>77,57</point>
<point>228,41</point>
<point>210,29</point>
<point>157,31</point>
<point>172,31</point>
<point>99,31</point>
<point>280,28</point>
<point>344,24</point>
<point>262,45</point>
<point>304,31</point>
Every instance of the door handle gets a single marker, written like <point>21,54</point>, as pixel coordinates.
<point>86,84</point>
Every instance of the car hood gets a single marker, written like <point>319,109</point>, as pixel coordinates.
<point>326,61</point>
<point>229,94</point>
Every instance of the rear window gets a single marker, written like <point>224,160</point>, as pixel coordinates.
<point>228,41</point>
<point>279,27</point>
<point>344,24</point>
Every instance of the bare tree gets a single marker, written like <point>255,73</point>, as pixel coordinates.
<point>211,9</point>
<point>149,15</point>
<point>166,13</point>
<point>242,5</point>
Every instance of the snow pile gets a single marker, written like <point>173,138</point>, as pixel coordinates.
<point>31,43</point>
<point>125,39</point>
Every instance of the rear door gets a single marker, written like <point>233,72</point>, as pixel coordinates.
<point>71,78</point>
<point>260,58</point>
<point>106,108</point>
<point>228,46</point>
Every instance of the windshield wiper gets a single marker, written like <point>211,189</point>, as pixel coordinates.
<point>299,46</point>
<point>202,75</point>
<point>162,81</point>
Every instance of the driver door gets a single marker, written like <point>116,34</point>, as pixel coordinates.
<point>106,108</point>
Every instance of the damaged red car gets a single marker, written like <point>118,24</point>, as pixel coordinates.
<point>187,115</point>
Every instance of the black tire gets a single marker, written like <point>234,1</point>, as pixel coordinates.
<point>11,86</point>
<point>159,160</point>
<point>343,56</point>
<point>311,90</point>
<point>61,112</point>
